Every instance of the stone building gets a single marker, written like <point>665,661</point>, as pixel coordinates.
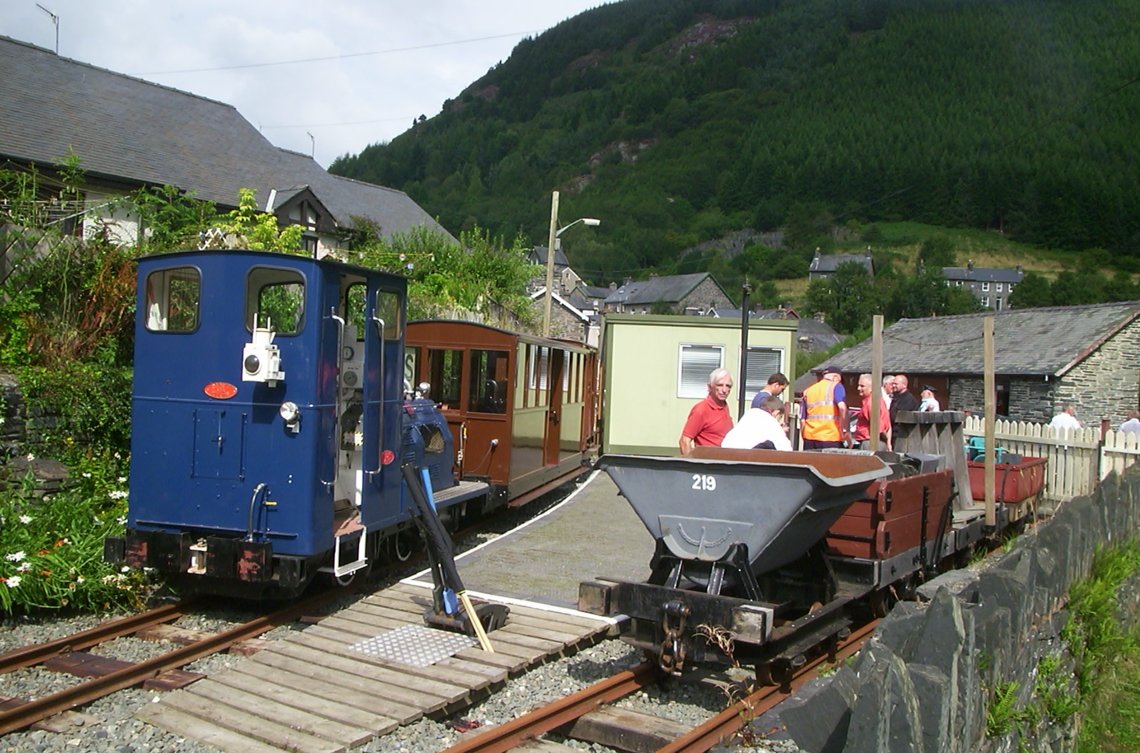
<point>992,286</point>
<point>1088,356</point>
<point>696,293</point>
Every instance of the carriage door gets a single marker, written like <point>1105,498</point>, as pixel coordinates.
<point>555,386</point>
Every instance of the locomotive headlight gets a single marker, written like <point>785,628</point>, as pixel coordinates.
<point>291,415</point>
<point>252,364</point>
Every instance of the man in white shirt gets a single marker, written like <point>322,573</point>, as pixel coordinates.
<point>1066,419</point>
<point>760,426</point>
<point>1132,425</point>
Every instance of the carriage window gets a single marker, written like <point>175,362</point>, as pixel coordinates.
<point>540,365</point>
<point>488,384</point>
<point>390,311</point>
<point>276,299</point>
<point>445,369</point>
<point>172,299</point>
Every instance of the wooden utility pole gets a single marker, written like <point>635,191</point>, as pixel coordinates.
<point>991,417</point>
<point>876,380</point>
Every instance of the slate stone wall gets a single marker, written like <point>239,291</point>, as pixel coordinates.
<point>925,682</point>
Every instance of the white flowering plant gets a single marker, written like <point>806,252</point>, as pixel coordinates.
<point>51,547</point>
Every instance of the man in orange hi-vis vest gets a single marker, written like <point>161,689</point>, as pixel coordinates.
<point>825,412</point>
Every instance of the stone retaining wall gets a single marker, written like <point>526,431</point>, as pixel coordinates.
<point>925,682</point>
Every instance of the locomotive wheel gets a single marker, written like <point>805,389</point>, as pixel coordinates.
<point>404,545</point>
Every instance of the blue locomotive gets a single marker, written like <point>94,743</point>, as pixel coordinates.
<point>270,422</point>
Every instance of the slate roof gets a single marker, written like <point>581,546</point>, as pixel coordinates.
<point>829,264</point>
<point>983,274</point>
<point>132,132</point>
<point>538,256</point>
<point>1027,342</point>
<point>667,288</point>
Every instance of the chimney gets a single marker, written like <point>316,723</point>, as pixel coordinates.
<point>819,317</point>
<point>613,286</point>
<point>970,265</point>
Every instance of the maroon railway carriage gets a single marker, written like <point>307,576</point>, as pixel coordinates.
<point>522,409</point>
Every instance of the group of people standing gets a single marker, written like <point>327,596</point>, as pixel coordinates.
<point>824,411</point>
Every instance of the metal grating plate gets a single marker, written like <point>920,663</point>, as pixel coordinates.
<point>414,645</point>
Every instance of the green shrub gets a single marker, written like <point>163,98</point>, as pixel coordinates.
<point>51,548</point>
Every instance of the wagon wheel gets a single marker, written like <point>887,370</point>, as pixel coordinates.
<point>881,601</point>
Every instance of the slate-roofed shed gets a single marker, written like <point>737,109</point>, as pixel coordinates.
<point>128,132</point>
<point>1086,355</point>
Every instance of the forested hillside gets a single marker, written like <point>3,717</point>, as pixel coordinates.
<point>678,121</point>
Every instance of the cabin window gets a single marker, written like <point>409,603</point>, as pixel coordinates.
<point>390,310</point>
<point>354,311</point>
<point>488,383</point>
<point>173,297</point>
<point>762,363</point>
<point>445,370</point>
<point>275,299</point>
<point>696,363</point>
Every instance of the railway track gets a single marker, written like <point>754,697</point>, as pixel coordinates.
<point>114,675</point>
<point>525,733</point>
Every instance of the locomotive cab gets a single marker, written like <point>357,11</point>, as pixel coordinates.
<point>267,421</point>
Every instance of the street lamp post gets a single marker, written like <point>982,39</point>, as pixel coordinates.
<point>555,232</point>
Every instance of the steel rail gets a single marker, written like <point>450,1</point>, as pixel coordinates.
<point>30,712</point>
<point>38,653</point>
<point>728,722</point>
<point>507,736</point>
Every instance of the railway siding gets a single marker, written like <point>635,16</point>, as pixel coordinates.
<point>927,679</point>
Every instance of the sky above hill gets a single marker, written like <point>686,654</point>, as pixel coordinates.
<point>325,79</point>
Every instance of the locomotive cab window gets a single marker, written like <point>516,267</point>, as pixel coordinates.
<point>173,297</point>
<point>389,311</point>
<point>275,298</point>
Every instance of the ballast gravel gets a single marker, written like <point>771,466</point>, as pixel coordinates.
<point>109,724</point>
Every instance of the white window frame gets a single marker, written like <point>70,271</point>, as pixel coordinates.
<point>985,287</point>
<point>997,287</point>
<point>687,387</point>
<point>757,380</point>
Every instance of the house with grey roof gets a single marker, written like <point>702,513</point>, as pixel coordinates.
<point>1043,358</point>
<point>990,285</point>
<point>565,278</point>
<point>129,133</point>
<point>822,267</point>
<point>696,293</point>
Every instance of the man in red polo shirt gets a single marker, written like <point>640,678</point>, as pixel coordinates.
<point>709,419</point>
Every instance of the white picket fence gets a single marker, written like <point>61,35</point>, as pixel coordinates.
<point>1078,458</point>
